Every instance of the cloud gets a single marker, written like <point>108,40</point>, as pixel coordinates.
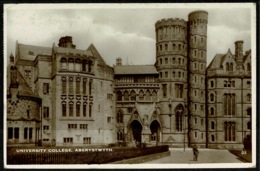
<point>126,33</point>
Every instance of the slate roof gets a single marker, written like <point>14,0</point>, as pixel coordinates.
<point>96,54</point>
<point>135,69</point>
<point>24,49</point>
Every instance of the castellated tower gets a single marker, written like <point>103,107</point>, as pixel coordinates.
<point>197,45</point>
<point>171,63</point>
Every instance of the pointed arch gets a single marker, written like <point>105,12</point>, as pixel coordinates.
<point>179,110</point>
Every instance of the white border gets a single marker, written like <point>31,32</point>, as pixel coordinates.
<point>251,6</point>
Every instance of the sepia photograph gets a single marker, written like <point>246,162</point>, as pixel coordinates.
<point>130,85</point>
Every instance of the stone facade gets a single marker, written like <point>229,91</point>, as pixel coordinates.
<point>75,98</point>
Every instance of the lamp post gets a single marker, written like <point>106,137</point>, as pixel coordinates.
<point>170,115</point>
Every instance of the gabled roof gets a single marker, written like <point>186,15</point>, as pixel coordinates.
<point>135,69</point>
<point>96,54</point>
<point>216,62</point>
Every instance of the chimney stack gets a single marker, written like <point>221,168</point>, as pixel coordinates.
<point>239,52</point>
<point>118,61</point>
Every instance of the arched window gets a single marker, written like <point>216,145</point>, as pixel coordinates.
<point>227,66</point>
<point>78,65</point>
<point>126,96</point>
<point>147,95</point>
<point>120,135</point>
<point>141,95</point>
<point>179,117</point>
<point>154,95</point>
<point>133,95</point>
<point>63,63</point>
<point>230,131</point>
<point>71,64</point>
<point>229,103</point>
<point>119,96</point>
<point>231,67</point>
<point>119,117</point>
<point>212,97</point>
<point>212,111</point>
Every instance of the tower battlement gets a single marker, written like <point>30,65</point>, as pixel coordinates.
<point>170,22</point>
<point>203,15</point>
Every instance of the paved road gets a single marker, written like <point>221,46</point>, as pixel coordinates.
<point>205,156</point>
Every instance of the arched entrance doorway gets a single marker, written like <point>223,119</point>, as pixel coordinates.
<point>155,131</point>
<point>136,128</point>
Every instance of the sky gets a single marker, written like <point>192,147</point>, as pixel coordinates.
<point>121,30</point>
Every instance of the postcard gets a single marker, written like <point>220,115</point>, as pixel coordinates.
<point>130,85</point>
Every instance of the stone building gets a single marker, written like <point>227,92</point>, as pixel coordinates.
<point>75,91</point>
<point>229,99</point>
<point>75,98</point>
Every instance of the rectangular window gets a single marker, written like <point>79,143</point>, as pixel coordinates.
<point>90,111</point>
<point>72,126</point>
<point>84,110</point>
<point>64,86</point>
<point>129,109</point>
<point>25,133</point>
<point>10,133</point>
<point>166,60</point>
<point>202,121</point>
<point>30,133</point>
<point>70,109</point>
<point>166,74</point>
<point>195,134</point>
<point>202,136</point>
<point>173,60</point>
<point>68,140</point>
<point>179,90</point>
<point>166,47</point>
<point>45,88</point>
<point>173,74</point>
<point>45,127</point>
<point>78,110</point>
<point>90,88</point>
<point>212,83</point>
<point>46,112</point>
<point>16,133</point>
<point>87,140</point>
<point>212,138</point>
<point>109,119</point>
<point>164,88</point>
<point>64,110</point>
<point>83,127</point>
